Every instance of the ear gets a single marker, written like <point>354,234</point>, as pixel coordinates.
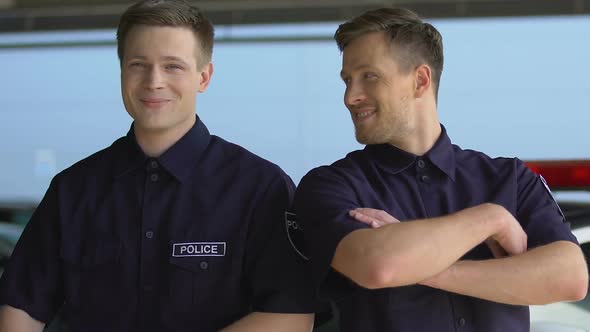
<point>205,77</point>
<point>423,80</point>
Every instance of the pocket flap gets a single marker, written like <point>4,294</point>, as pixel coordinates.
<point>193,264</point>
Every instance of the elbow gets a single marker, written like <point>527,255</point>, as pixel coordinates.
<point>580,283</point>
<point>380,275</point>
<point>573,279</point>
<point>580,293</point>
<point>579,287</point>
<point>574,284</point>
<point>374,279</point>
<point>367,274</point>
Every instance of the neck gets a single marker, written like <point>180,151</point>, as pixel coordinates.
<point>155,142</point>
<point>424,131</point>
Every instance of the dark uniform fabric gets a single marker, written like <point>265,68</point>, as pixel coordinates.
<point>190,241</point>
<point>445,180</point>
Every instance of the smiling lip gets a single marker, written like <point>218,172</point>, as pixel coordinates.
<point>154,102</point>
<point>363,114</point>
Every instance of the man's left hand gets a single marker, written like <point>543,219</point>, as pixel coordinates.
<point>372,217</point>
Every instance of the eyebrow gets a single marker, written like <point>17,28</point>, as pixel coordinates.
<point>362,66</point>
<point>166,57</point>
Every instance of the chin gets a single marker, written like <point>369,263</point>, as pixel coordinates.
<point>368,139</point>
<point>363,139</point>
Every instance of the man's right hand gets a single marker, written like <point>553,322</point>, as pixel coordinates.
<point>510,239</point>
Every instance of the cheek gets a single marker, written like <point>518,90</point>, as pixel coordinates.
<point>185,88</point>
<point>129,83</point>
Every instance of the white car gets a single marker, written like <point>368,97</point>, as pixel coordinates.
<point>570,181</point>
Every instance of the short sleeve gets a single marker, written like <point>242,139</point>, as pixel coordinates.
<point>279,278</point>
<point>32,278</point>
<point>538,212</point>
<point>322,202</point>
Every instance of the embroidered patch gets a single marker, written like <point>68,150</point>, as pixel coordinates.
<point>191,249</point>
<point>551,195</point>
<point>295,234</point>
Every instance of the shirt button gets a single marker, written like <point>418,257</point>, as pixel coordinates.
<point>204,265</point>
<point>421,163</point>
<point>154,164</point>
<point>149,234</point>
<point>461,321</point>
<point>154,177</point>
<point>425,178</point>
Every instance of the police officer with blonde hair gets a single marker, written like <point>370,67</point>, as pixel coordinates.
<point>413,233</point>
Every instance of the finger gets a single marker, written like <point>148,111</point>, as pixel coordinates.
<point>377,214</point>
<point>378,223</point>
<point>358,213</point>
<point>362,218</point>
<point>496,249</point>
<point>380,215</point>
<point>386,217</point>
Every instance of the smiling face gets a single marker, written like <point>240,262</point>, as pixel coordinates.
<point>160,79</point>
<point>378,94</point>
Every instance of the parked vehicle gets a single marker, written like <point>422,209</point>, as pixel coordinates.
<point>570,182</point>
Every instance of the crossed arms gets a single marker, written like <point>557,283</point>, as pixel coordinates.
<point>427,252</point>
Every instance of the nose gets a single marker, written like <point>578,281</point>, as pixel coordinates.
<point>354,94</point>
<point>154,79</point>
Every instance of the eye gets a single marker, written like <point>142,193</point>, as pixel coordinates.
<point>173,66</point>
<point>137,65</point>
<point>370,76</point>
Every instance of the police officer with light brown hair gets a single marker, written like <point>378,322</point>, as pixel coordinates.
<point>170,228</point>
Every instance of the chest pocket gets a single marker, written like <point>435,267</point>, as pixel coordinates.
<point>194,279</point>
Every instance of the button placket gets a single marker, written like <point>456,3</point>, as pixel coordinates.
<point>422,170</point>
<point>421,163</point>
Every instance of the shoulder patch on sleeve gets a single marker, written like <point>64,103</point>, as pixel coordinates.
<point>295,234</point>
<point>551,195</point>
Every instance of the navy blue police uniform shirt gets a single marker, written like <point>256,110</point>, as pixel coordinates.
<point>445,180</point>
<point>190,241</point>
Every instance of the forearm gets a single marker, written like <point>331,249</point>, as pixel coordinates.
<point>263,321</point>
<point>408,252</point>
<point>551,273</point>
<point>16,320</point>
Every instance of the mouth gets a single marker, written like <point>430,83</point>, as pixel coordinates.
<point>363,114</point>
<point>154,102</point>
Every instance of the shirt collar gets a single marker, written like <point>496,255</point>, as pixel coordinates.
<point>442,154</point>
<point>395,160</point>
<point>181,157</point>
<point>178,160</point>
<point>390,158</point>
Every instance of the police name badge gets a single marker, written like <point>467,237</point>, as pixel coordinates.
<point>295,234</point>
<point>192,249</point>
